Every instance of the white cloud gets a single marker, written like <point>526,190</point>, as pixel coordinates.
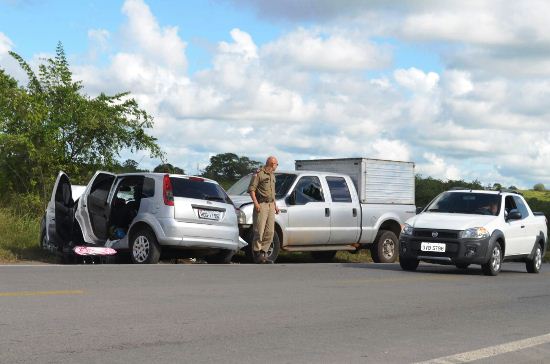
<point>312,50</point>
<point>145,34</point>
<point>5,44</point>
<point>416,80</point>
<point>437,167</point>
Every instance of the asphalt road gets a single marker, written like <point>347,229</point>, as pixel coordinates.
<point>282,313</point>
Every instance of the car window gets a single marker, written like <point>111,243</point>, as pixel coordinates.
<point>509,205</point>
<point>198,188</point>
<point>148,187</point>
<point>308,189</point>
<point>339,190</point>
<point>521,207</point>
<point>283,182</point>
<point>100,191</point>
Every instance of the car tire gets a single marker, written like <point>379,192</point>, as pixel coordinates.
<point>325,256</point>
<point>462,265</point>
<point>492,267</point>
<point>408,264</point>
<point>534,265</point>
<point>222,257</point>
<point>274,248</point>
<point>144,248</point>
<point>386,248</point>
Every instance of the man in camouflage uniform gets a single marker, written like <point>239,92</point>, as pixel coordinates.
<point>262,191</point>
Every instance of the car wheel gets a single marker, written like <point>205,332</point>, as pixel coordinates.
<point>408,264</point>
<point>323,256</point>
<point>386,248</point>
<point>144,248</point>
<point>222,257</point>
<point>492,267</point>
<point>462,265</point>
<point>274,248</point>
<point>534,265</point>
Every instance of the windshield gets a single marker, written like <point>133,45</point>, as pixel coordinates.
<point>466,203</point>
<point>283,181</point>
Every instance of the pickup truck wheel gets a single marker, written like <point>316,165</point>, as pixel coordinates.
<point>462,265</point>
<point>324,256</point>
<point>274,248</point>
<point>144,248</point>
<point>492,267</point>
<point>386,248</point>
<point>408,264</point>
<point>222,257</point>
<point>533,265</point>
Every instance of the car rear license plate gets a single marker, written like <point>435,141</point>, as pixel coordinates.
<point>209,214</point>
<point>432,247</point>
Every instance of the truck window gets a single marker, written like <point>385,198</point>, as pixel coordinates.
<point>339,190</point>
<point>308,189</point>
<point>521,207</point>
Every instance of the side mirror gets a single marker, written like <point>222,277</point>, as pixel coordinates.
<point>291,199</point>
<point>419,210</point>
<point>514,215</point>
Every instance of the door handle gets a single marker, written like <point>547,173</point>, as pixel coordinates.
<point>523,226</point>
<point>354,210</point>
<point>327,212</point>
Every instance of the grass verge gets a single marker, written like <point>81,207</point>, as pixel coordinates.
<point>19,238</point>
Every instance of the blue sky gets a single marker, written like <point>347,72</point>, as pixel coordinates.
<point>460,88</point>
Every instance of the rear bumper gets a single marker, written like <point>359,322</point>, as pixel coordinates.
<point>458,251</point>
<point>191,235</point>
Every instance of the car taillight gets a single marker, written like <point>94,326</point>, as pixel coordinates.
<point>167,191</point>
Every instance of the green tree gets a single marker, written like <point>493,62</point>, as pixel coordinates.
<point>539,187</point>
<point>168,168</point>
<point>227,168</point>
<point>128,166</point>
<point>428,188</point>
<point>497,186</point>
<point>51,125</point>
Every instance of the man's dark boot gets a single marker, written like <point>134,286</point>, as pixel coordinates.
<point>259,257</point>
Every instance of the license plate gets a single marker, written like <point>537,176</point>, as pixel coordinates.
<point>209,214</point>
<point>432,247</point>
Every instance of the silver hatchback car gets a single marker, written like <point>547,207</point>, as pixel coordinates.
<point>146,214</point>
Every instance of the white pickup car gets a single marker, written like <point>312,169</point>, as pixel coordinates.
<point>362,206</point>
<point>464,227</point>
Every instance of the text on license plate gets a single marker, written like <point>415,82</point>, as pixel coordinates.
<point>432,247</point>
<point>209,214</point>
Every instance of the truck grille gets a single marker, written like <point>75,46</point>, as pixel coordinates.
<point>441,234</point>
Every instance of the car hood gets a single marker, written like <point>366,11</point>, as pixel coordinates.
<point>447,221</point>
<point>239,200</point>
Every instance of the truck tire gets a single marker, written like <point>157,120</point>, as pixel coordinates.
<point>534,265</point>
<point>386,248</point>
<point>273,251</point>
<point>274,248</point>
<point>144,248</point>
<point>492,267</point>
<point>408,264</point>
<point>323,256</point>
<point>222,257</point>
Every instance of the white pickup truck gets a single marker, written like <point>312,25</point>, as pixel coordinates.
<point>464,227</point>
<point>340,204</point>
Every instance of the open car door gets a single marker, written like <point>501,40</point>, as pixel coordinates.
<point>60,213</point>
<point>93,210</point>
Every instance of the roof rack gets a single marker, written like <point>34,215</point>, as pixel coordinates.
<point>460,189</point>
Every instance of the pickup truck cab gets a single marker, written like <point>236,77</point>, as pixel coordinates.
<point>321,213</point>
<point>464,227</point>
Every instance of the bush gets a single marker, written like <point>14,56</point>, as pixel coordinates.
<point>539,187</point>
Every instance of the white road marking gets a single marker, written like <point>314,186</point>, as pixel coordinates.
<point>490,351</point>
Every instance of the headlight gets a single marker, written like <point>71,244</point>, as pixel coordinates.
<point>407,230</point>
<point>241,216</point>
<point>474,233</point>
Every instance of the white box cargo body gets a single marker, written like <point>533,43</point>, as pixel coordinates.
<point>377,181</point>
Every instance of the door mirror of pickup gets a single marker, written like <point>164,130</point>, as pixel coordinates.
<point>419,210</point>
<point>291,199</point>
<point>514,215</point>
